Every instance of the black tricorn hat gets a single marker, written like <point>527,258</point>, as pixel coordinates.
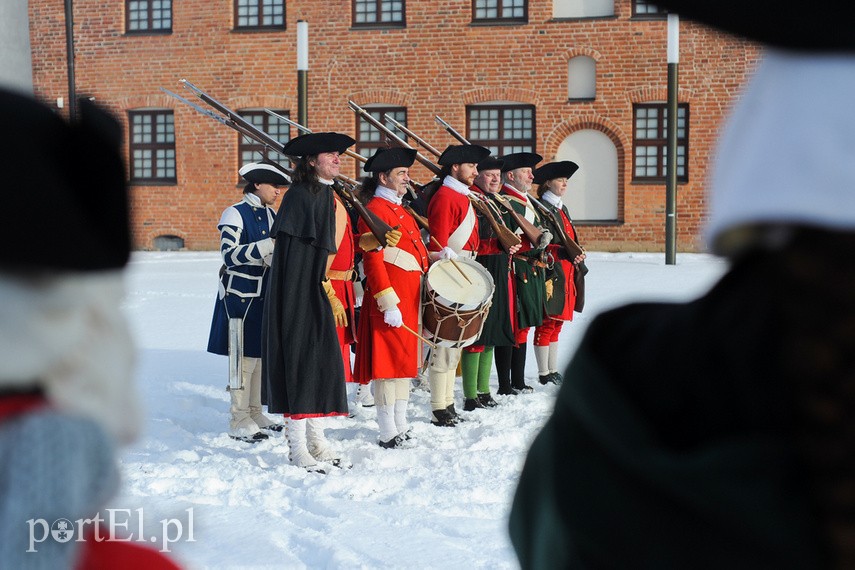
<point>317,143</point>
<point>82,221</point>
<point>490,163</point>
<point>385,159</point>
<point>552,170</point>
<point>463,153</point>
<point>783,24</point>
<point>264,172</point>
<point>520,160</point>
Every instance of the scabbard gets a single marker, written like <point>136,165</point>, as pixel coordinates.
<point>235,354</point>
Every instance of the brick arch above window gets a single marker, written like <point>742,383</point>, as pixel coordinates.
<point>490,94</point>
<point>378,96</point>
<point>650,94</point>
<point>581,50</point>
<point>147,239</point>
<point>584,121</point>
<point>272,102</point>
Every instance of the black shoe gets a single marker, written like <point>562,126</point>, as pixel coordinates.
<point>254,438</point>
<point>455,417</point>
<point>487,400</point>
<point>507,391</point>
<point>557,378</point>
<point>396,441</point>
<point>524,389</point>
<point>442,418</point>
<point>471,404</point>
<point>274,427</point>
<point>545,378</point>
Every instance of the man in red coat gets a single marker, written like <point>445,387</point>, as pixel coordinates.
<point>454,233</point>
<point>388,350</point>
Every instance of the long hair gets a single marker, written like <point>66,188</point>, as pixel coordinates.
<point>542,188</point>
<point>369,186</point>
<point>306,173</point>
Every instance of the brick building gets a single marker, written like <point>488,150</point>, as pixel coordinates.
<point>569,79</point>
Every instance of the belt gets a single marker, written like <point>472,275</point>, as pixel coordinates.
<point>338,275</point>
<point>532,260</point>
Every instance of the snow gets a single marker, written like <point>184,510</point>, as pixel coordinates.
<point>212,502</point>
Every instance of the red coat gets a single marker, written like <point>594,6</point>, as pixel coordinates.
<point>383,351</point>
<point>560,256</point>
<point>343,261</point>
<point>446,211</point>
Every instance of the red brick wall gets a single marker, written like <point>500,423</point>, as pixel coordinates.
<point>437,64</point>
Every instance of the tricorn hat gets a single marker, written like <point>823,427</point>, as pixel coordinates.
<point>520,160</point>
<point>81,183</point>
<point>490,163</point>
<point>385,159</point>
<point>552,170</point>
<point>317,143</point>
<point>264,172</point>
<point>463,153</point>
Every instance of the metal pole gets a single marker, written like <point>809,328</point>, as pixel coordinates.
<point>302,72</point>
<point>671,150</point>
<point>69,51</point>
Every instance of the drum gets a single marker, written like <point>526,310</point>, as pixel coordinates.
<point>456,306</point>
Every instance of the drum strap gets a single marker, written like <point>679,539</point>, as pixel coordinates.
<point>400,258</point>
<point>457,240</point>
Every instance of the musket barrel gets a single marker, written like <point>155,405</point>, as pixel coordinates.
<point>451,130</point>
<point>424,144</point>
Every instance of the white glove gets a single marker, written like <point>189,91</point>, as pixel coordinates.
<point>393,317</point>
<point>447,253</point>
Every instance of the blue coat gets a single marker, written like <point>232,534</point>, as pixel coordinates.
<point>244,243</point>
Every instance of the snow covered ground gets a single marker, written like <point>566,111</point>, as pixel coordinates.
<point>216,503</point>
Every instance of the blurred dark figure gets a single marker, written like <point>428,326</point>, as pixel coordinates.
<point>717,433</point>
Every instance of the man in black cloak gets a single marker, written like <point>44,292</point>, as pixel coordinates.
<point>303,376</point>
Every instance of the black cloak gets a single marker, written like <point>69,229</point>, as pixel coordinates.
<point>301,377</point>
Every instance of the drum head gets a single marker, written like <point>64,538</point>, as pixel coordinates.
<point>447,280</point>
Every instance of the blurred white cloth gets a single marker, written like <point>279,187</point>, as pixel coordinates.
<point>788,151</point>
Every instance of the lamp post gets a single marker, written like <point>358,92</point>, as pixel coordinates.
<point>302,72</point>
<point>69,51</point>
<point>671,148</point>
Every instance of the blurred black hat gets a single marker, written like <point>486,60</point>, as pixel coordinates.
<point>818,26</point>
<point>552,170</point>
<point>67,199</point>
<point>264,172</point>
<point>520,160</point>
<point>386,159</point>
<point>463,153</point>
<point>317,143</point>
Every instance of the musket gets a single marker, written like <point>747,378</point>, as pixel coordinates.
<point>420,220</point>
<point>241,125</point>
<point>392,136</point>
<point>507,238</point>
<point>346,189</point>
<point>219,118</point>
<point>572,248</point>
<point>424,144</point>
<point>309,131</point>
<point>531,232</point>
<point>460,138</point>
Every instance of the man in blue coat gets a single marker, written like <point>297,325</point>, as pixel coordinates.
<point>247,249</point>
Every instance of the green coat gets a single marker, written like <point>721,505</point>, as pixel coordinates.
<point>670,446</point>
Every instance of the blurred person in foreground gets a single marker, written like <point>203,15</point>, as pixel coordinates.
<point>67,399</point>
<point>718,433</point>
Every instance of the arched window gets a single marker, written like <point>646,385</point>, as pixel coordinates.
<point>582,78</point>
<point>592,193</point>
